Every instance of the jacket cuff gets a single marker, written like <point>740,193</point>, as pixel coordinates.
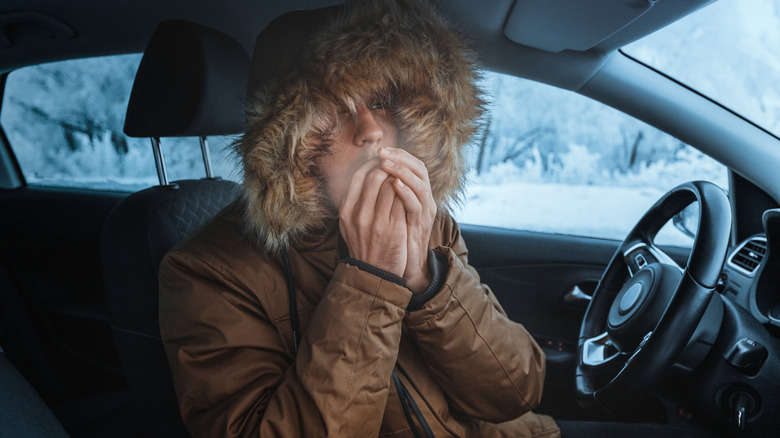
<point>371,269</point>
<point>439,267</point>
<point>441,300</point>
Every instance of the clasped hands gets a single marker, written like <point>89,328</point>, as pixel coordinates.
<point>387,215</point>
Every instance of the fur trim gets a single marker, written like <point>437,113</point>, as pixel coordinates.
<point>399,52</point>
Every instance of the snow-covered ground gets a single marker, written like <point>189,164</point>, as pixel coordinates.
<point>597,211</point>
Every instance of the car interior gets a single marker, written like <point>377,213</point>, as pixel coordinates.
<point>80,348</point>
<point>184,62</point>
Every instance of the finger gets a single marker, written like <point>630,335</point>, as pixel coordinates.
<point>410,201</point>
<point>410,182</point>
<point>409,169</point>
<point>398,216</point>
<point>372,185</point>
<point>398,228</point>
<point>396,159</point>
<point>355,189</point>
<point>384,203</point>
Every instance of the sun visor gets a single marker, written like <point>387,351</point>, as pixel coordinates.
<point>191,82</point>
<point>557,25</point>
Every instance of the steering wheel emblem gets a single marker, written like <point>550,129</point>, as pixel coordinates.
<point>630,299</point>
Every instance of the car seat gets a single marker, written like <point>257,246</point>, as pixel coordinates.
<point>22,412</point>
<point>191,82</point>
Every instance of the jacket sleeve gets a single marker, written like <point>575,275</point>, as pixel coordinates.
<point>489,366</point>
<point>235,376</point>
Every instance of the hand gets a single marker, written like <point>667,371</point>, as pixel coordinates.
<point>372,219</point>
<point>413,187</point>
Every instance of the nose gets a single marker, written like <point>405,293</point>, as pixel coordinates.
<point>367,130</point>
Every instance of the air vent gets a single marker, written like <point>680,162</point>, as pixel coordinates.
<point>749,255</point>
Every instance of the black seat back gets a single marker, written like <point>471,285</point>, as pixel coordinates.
<point>22,412</point>
<point>191,82</point>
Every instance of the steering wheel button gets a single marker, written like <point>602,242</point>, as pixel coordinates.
<point>640,261</point>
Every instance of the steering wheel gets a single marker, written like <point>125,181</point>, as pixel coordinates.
<point>646,307</point>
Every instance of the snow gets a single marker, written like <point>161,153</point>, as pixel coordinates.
<point>586,210</point>
<point>728,51</point>
<point>596,211</point>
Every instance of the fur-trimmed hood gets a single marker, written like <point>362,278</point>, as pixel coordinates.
<point>399,52</point>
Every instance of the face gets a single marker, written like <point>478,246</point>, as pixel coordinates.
<point>357,139</point>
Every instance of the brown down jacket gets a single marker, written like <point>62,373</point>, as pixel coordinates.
<point>225,323</point>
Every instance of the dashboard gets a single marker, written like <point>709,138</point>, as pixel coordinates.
<point>738,385</point>
<point>751,274</point>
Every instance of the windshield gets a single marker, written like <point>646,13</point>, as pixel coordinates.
<point>728,51</point>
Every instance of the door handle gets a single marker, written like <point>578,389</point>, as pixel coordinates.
<point>577,297</point>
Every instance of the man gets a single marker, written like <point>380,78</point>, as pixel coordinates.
<point>353,154</point>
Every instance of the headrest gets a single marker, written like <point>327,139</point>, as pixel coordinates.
<point>284,41</point>
<point>191,82</point>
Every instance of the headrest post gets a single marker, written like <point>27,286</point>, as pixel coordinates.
<point>159,161</point>
<point>204,147</point>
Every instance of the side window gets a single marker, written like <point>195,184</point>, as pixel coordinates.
<point>553,161</point>
<point>64,121</point>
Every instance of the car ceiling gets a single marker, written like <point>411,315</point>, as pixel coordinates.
<point>35,31</point>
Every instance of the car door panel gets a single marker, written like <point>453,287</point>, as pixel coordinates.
<point>533,274</point>
<point>50,258</point>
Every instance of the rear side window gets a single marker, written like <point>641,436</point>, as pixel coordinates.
<point>65,121</point>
